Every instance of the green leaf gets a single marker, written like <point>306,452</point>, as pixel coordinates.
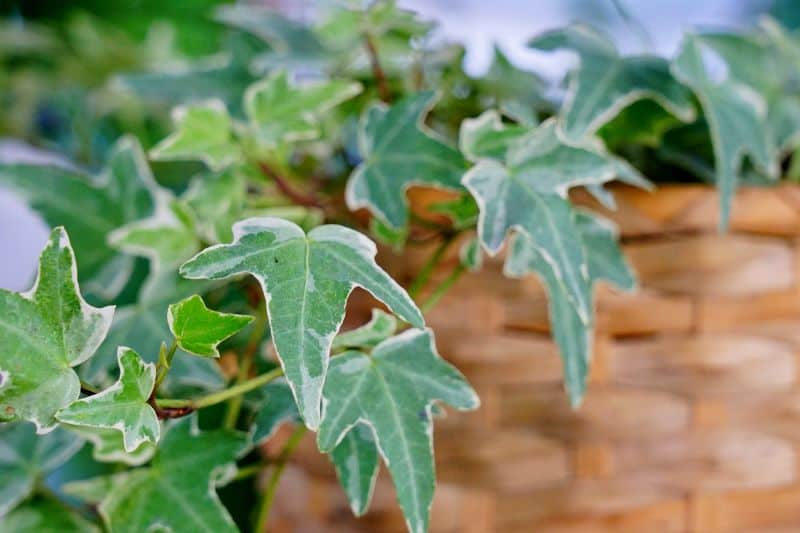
<point>486,136</point>
<point>306,281</point>
<point>392,391</point>
<point>44,334</point>
<point>356,461</point>
<point>167,238</point>
<point>25,458</point>
<point>123,406</point>
<point>177,491</point>
<point>199,330</point>
<point>282,111</point>
<point>45,516</point>
<point>399,151</point>
<point>572,333</point>
<point>215,202</point>
<point>143,326</point>
<point>275,407</point>
<point>463,211</point>
<point>204,131</point>
<point>471,255</point>
<point>517,93</point>
<point>736,116</point>
<point>528,195</point>
<point>91,208</point>
<point>109,446</point>
<point>381,326</point>
<point>605,82</point>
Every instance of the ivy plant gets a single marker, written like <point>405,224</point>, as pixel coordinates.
<point>189,303</point>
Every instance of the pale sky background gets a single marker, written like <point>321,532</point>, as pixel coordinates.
<point>479,24</point>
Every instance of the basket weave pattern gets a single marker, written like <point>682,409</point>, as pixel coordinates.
<point>692,418</point>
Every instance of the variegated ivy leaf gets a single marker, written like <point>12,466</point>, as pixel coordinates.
<point>606,82</point>
<point>528,194</point>
<point>143,326</point>
<point>381,326</point>
<point>471,255</point>
<point>109,446</point>
<point>204,131</point>
<point>275,406</point>
<point>356,461</point>
<point>736,116</point>
<point>573,334</point>
<point>306,280</point>
<point>517,93</point>
<point>280,111</point>
<point>399,151</point>
<point>392,391</point>
<point>91,208</point>
<point>176,492</point>
<point>167,238</point>
<point>44,333</point>
<point>45,515</point>
<point>25,458</point>
<point>122,407</point>
<point>486,137</point>
<point>198,330</point>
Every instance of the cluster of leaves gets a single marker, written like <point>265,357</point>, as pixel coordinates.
<point>286,140</point>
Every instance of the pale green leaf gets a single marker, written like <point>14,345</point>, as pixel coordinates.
<point>380,326</point>
<point>605,82</point>
<point>176,492</point>
<point>44,333</point>
<point>736,116</point>
<point>90,208</point>
<point>109,446</point>
<point>25,458</point>
<point>45,516</point>
<point>204,131</point>
<point>486,136</point>
<point>399,151</point>
<point>355,459</point>
<point>123,406</point>
<point>573,334</point>
<point>392,391</point>
<point>306,281</point>
<point>280,111</point>
<point>199,330</point>
<point>215,202</point>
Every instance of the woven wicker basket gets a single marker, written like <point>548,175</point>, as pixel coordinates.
<point>692,419</point>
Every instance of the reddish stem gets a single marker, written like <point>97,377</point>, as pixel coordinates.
<point>287,190</point>
<point>377,70</point>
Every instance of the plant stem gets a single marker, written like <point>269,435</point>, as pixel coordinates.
<point>248,471</point>
<point>377,70</point>
<point>272,484</point>
<point>442,288</point>
<point>427,269</point>
<point>223,395</point>
<point>164,364</point>
<point>87,389</point>
<point>235,403</point>
<point>299,198</point>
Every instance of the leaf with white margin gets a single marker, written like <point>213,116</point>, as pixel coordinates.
<point>26,457</point>
<point>204,131</point>
<point>355,459</point>
<point>109,446</point>
<point>529,194</point>
<point>176,492</point>
<point>45,516</point>
<point>471,254</point>
<point>143,327</point>
<point>486,137</point>
<point>44,333</point>
<point>167,238</point>
<point>572,334</point>
<point>392,390</point>
<point>275,407</point>
<point>605,82</point>
<point>399,151</point>
<point>90,208</point>
<point>123,406</point>
<point>199,330</point>
<point>279,110</point>
<point>306,281</point>
<point>736,116</point>
<point>381,326</point>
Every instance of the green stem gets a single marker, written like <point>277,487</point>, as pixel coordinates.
<point>226,394</point>
<point>272,484</point>
<point>248,471</point>
<point>235,403</point>
<point>442,288</point>
<point>164,363</point>
<point>428,268</point>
